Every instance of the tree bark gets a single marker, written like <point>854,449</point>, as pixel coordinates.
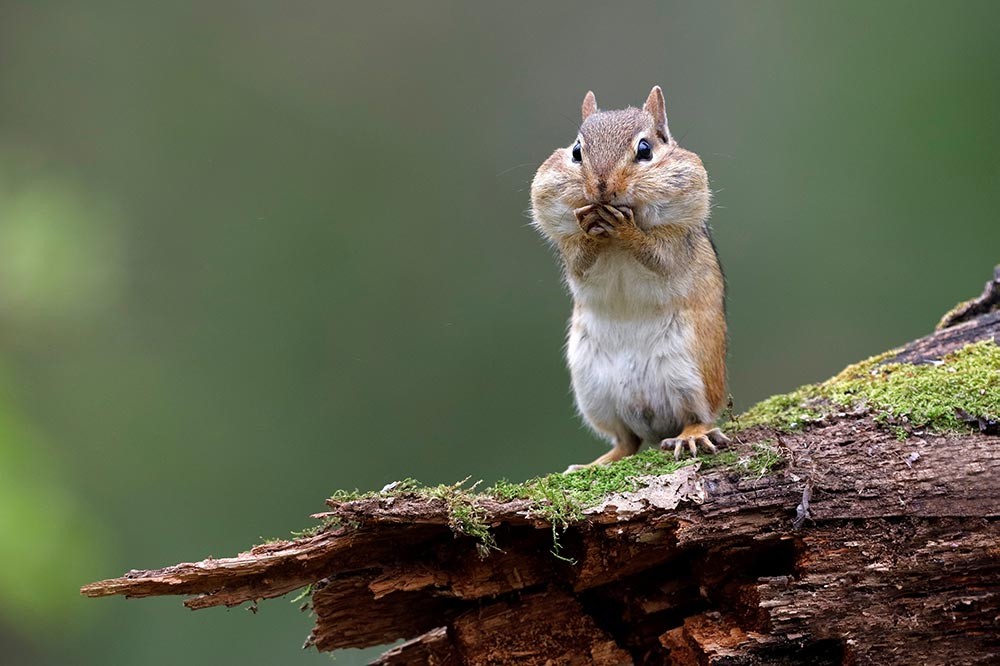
<point>860,549</point>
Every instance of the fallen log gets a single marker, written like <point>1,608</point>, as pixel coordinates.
<point>854,522</point>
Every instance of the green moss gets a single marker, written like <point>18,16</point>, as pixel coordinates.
<point>306,593</point>
<point>465,515</point>
<point>899,395</point>
<point>765,457</point>
<point>393,489</point>
<point>788,411</point>
<point>559,499</point>
<point>562,498</point>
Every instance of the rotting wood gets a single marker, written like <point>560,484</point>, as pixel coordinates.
<point>895,559</point>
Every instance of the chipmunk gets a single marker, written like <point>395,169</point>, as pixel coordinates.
<point>627,209</point>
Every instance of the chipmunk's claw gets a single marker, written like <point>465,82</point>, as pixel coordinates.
<point>678,444</point>
<point>591,221</point>
<point>718,437</point>
<point>617,215</point>
<point>693,438</point>
<point>602,220</point>
<point>601,230</point>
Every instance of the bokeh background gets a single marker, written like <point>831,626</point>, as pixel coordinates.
<point>252,252</point>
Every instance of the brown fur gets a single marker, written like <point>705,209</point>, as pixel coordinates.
<point>706,306</point>
<point>656,106</point>
<point>579,253</point>
<point>589,106</point>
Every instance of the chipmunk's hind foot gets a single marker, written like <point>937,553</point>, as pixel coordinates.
<point>693,436</point>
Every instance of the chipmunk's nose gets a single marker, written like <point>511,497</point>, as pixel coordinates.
<point>605,194</point>
<point>599,191</point>
<point>601,187</point>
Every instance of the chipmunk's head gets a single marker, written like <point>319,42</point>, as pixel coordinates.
<point>623,158</point>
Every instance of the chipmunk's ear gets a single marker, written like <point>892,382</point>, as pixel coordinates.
<point>657,108</point>
<point>589,104</point>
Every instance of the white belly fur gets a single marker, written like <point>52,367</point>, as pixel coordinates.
<point>630,352</point>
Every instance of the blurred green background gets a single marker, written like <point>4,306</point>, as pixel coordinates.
<point>254,252</point>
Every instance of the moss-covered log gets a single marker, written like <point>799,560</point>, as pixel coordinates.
<point>854,522</point>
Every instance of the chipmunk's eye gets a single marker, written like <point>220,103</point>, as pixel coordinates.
<point>577,153</point>
<point>644,151</point>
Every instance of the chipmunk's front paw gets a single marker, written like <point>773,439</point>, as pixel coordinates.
<point>604,221</point>
<point>591,222</point>
<point>617,216</point>
<point>694,436</point>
